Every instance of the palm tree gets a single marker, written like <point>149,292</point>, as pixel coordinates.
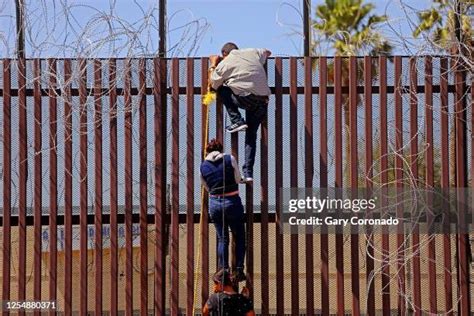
<point>348,28</point>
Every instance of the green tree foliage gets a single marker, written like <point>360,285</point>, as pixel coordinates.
<point>349,27</point>
<point>438,23</point>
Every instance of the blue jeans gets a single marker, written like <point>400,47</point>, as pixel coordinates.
<point>255,113</point>
<point>225,213</point>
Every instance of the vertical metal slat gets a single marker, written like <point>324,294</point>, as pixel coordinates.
<point>190,185</point>
<point>354,174</point>
<point>384,180</point>
<point>414,172</point>
<point>399,182</point>
<point>83,186</point>
<point>113,187</point>
<point>53,183</point>
<point>23,170</point>
<point>264,224</point>
<point>128,191</point>
<point>143,189</point>
<point>38,182</point>
<point>279,253</point>
<point>323,181</point>
<point>160,122</point>
<point>98,199</point>
<point>294,181</point>
<point>338,111</point>
<point>429,160</point>
<point>68,189</point>
<point>7,178</point>
<point>309,173</point>
<point>175,188</point>
<point>368,182</point>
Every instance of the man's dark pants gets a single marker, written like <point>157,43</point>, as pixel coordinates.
<point>255,111</point>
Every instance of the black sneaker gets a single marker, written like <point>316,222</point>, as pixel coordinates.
<point>239,275</point>
<point>236,127</point>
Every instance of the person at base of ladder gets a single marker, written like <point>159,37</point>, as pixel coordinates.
<point>240,80</point>
<point>225,300</point>
<point>220,175</point>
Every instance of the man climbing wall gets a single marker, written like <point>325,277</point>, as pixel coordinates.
<point>240,80</point>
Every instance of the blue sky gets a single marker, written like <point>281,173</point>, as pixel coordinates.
<point>273,24</point>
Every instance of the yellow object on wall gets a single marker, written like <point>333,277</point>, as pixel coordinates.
<point>208,98</point>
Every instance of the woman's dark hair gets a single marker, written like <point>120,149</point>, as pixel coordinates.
<point>227,48</point>
<point>223,277</point>
<point>214,145</point>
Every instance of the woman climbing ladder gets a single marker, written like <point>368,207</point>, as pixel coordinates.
<point>221,176</point>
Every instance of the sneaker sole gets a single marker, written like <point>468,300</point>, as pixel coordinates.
<point>242,127</point>
<point>246,181</point>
